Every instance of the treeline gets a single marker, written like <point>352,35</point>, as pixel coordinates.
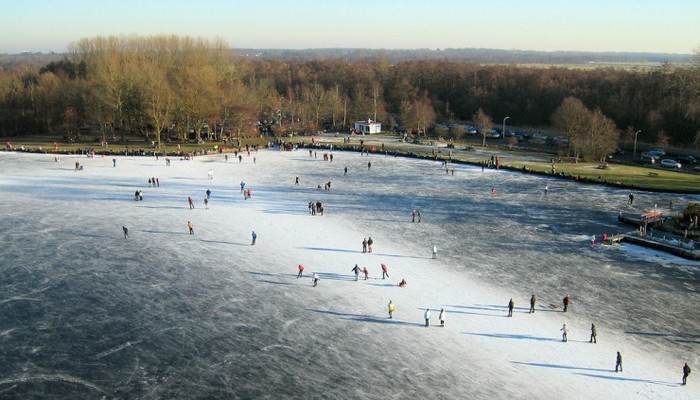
<point>187,88</point>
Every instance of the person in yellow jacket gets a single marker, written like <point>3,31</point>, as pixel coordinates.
<point>392,308</point>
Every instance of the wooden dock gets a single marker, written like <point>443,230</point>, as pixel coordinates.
<point>680,250</point>
<point>641,219</point>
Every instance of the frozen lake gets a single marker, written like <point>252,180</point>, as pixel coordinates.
<point>85,313</point>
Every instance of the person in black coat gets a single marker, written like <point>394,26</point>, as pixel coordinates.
<point>511,304</point>
<point>686,372</point>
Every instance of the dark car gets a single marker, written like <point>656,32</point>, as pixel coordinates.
<point>689,160</point>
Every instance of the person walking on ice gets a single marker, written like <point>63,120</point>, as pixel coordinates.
<point>385,273</point>
<point>442,317</point>
<point>392,307</point>
<point>566,302</point>
<point>594,335</point>
<point>532,304</point>
<point>301,271</point>
<point>191,203</point>
<point>126,232</point>
<point>564,331</point>
<point>427,317</point>
<point>511,304</point>
<point>365,272</point>
<point>434,251</point>
<point>190,227</point>
<point>370,242</point>
<point>618,362</point>
<point>364,245</point>
<point>356,271</point>
<point>315,279</point>
<point>686,372</point>
<point>254,236</point>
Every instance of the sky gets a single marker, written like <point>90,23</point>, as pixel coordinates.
<point>669,26</point>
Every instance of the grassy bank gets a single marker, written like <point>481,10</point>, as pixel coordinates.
<point>623,175</point>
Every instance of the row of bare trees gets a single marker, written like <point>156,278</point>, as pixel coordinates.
<point>190,88</point>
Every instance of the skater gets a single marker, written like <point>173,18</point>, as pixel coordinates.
<point>189,200</point>
<point>140,195</point>
<point>369,165</point>
<point>114,162</point>
<point>434,251</point>
<point>511,304</point>
<point>618,362</point>
<point>413,215</point>
<point>157,182</point>
<point>301,271</point>
<point>403,283</point>
<point>296,180</point>
<point>190,227</point>
<point>315,279</point>
<point>345,171</point>
<point>126,232</point>
<point>208,193</point>
<point>593,241</point>
<point>206,203</point>
<point>365,272</point>
<point>418,215</point>
<point>427,317</point>
<point>546,189</point>
<point>364,245</point>
<point>564,331</point>
<point>254,236</point>
<point>356,271</point>
<point>242,184</point>
<point>594,334</point>
<point>210,174</point>
<point>369,244</point>
<point>442,317</point>
<point>532,304</point>
<point>631,199</point>
<point>385,273</point>
<point>566,301</point>
<point>686,372</point>
<point>392,307</point>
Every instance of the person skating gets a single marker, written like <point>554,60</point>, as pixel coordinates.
<point>191,203</point>
<point>392,307</point>
<point>385,273</point>
<point>631,199</point>
<point>564,331</point>
<point>254,236</point>
<point>114,162</point>
<point>427,317</point>
<point>126,232</point>
<point>356,271</point>
<point>315,279</point>
<point>369,165</point>
<point>206,203</point>
<point>190,227</point>
<point>301,271</point>
<point>345,171</point>
<point>365,272</point>
<point>618,362</point>
<point>511,304</point>
<point>686,372</point>
<point>434,251</point>
<point>566,301</point>
<point>594,335</point>
<point>364,245</point>
<point>370,242</point>
<point>208,193</point>
<point>442,317</point>
<point>532,303</point>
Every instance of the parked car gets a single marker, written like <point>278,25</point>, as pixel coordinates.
<point>649,158</point>
<point>668,163</point>
<point>658,152</point>
<point>689,160</point>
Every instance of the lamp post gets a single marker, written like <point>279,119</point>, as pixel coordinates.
<point>503,132</point>
<point>634,152</point>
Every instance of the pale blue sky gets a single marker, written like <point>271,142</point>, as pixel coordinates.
<point>668,26</point>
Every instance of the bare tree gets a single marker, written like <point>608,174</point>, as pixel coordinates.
<point>483,123</point>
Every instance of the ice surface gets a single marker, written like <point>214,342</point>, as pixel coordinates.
<point>85,313</point>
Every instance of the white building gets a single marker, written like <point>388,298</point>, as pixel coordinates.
<point>368,127</point>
